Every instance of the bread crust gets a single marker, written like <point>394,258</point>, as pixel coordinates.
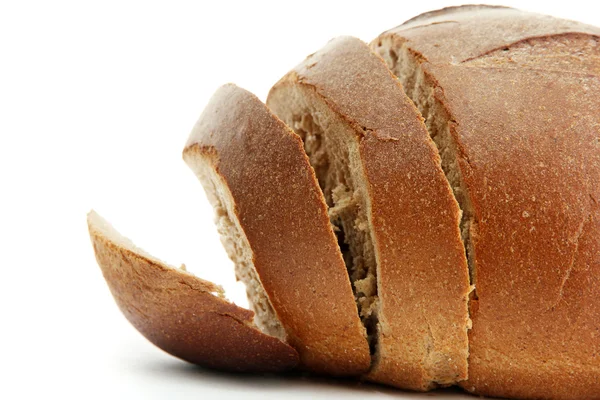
<point>458,34</point>
<point>414,217</point>
<point>182,314</point>
<point>536,229</point>
<point>529,155</point>
<point>282,213</point>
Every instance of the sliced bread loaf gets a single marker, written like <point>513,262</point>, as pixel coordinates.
<point>511,100</point>
<point>184,315</point>
<point>273,222</point>
<point>397,219</point>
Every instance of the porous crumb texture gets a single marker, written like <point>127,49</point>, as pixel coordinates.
<point>336,161</point>
<point>238,249</point>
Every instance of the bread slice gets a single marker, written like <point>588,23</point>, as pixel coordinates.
<point>397,218</point>
<point>273,222</point>
<point>183,315</point>
<point>511,100</point>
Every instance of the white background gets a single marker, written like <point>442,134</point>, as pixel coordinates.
<point>96,101</point>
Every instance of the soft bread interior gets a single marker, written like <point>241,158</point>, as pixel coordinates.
<point>332,148</point>
<point>406,67</point>
<point>235,242</point>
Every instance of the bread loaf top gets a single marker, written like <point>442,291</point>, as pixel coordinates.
<point>458,35</point>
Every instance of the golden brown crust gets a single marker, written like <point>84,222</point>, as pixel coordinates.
<point>181,314</point>
<point>460,34</point>
<point>525,122</point>
<point>533,178</point>
<point>414,217</point>
<point>283,215</point>
<point>443,12</point>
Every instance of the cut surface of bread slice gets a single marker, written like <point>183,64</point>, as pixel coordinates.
<point>511,100</point>
<point>398,221</point>
<point>273,222</point>
<point>183,315</point>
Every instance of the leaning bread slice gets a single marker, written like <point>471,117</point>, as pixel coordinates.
<point>183,315</point>
<point>273,222</point>
<point>393,207</point>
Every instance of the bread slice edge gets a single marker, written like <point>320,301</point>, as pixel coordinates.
<point>183,315</point>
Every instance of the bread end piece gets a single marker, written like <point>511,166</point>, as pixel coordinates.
<point>183,315</point>
<point>482,76</point>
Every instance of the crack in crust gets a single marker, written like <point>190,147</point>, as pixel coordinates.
<point>567,275</point>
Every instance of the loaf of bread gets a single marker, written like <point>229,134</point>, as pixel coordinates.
<point>433,228</point>
<point>185,316</point>
<point>393,207</point>
<point>512,100</point>
<point>273,222</point>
